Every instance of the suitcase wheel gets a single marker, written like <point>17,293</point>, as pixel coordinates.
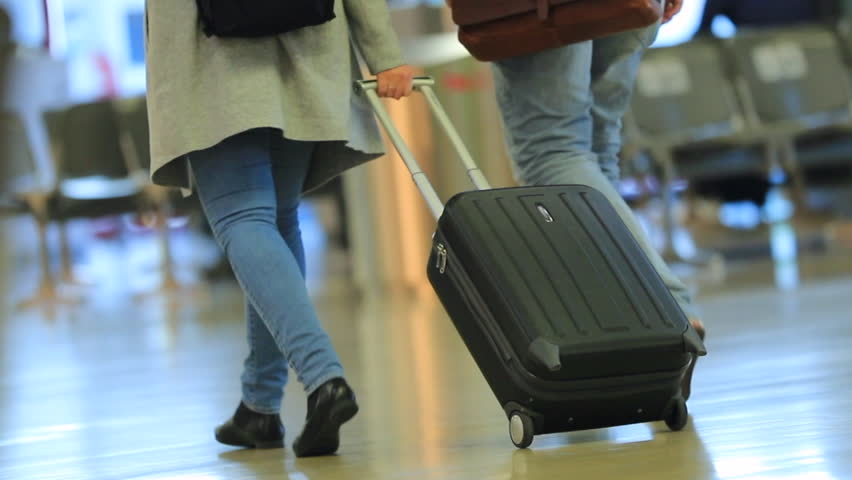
<point>677,415</point>
<point>521,429</point>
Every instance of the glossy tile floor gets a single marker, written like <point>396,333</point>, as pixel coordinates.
<point>122,389</point>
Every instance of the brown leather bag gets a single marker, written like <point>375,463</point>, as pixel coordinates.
<point>498,29</point>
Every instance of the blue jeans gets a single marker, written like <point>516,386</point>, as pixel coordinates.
<point>562,111</point>
<point>249,186</point>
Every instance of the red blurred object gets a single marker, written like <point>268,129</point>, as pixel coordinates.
<point>107,228</point>
<point>465,82</point>
<point>105,67</point>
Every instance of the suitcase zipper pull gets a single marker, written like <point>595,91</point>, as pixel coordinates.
<point>441,259</point>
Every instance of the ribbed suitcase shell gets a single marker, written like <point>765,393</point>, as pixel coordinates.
<point>559,306</point>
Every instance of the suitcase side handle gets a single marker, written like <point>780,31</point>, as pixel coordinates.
<point>424,86</point>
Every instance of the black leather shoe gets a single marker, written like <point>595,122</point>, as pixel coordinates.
<point>250,429</point>
<point>329,407</point>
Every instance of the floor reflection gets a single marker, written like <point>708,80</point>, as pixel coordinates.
<point>124,388</point>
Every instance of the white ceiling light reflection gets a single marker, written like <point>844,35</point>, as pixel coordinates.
<point>26,439</point>
<point>191,476</point>
<point>811,459</point>
<point>38,435</point>
<point>782,239</point>
<point>813,476</point>
<point>820,475</point>
<point>739,466</point>
<point>640,432</point>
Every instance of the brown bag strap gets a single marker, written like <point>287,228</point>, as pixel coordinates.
<point>543,9</point>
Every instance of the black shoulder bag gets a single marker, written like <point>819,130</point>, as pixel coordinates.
<point>261,18</point>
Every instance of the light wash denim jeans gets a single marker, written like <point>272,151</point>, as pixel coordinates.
<point>562,111</point>
<point>249,186</point>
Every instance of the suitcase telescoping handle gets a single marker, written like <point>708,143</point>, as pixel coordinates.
<point>424,86</point>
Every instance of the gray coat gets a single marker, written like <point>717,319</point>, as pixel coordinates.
<point>202,90</point>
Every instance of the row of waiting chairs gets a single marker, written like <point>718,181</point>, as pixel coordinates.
<point>719,108</point>
<point>100,157</point>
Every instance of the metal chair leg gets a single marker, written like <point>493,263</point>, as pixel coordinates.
<point>169,286</point>
<point>67,276</point>
<point>789,162</point>
<point>47,293</point>
<point>170,282</point>
<point>701,258</point>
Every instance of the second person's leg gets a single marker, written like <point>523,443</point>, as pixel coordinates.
<point>615,64</point>
<point>547,102</point>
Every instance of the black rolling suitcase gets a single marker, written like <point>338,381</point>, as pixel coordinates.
<point>563,313</point>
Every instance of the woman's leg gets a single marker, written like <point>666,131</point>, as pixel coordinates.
<point>235,183</point>
<point>330,401</point>
<point>265,370</point>
<point>237,191</point>
<point>241,183</point>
